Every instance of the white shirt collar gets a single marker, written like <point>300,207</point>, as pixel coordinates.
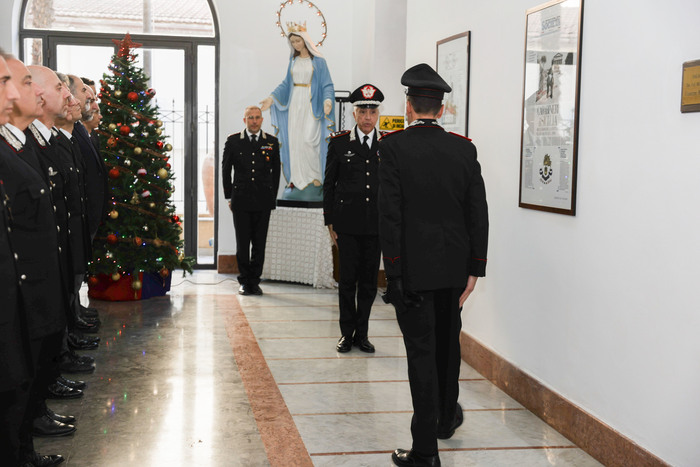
<point>68,135</point>
<point>19,134</point>
<point>250,135</point>
<point>43,129</point>
<point>362,135</point>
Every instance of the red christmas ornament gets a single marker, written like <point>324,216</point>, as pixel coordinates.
<point>159,145</point>
<point>137,241</point>
<point>112,142</point>
<point>111,239</point>
<point>132,96</point>
<point>176,218</point>
<point>124,130</point>
<point>93,281</point>
<point>151,92</point>
<point>141,172</point>
<point>114,174</point>
<point>167,166</point>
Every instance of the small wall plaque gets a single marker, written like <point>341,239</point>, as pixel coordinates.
<point>690,89</point>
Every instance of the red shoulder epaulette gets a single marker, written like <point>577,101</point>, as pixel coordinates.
<point>384,135</point>
<point>339,133</point>
<point>461,136</point>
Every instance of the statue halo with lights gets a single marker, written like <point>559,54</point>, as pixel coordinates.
<point>298,26</point>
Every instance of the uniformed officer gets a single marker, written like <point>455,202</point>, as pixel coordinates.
<point>254,157</point>
<point>33,233</point>
<point>433,225</point>
<point>350,212</point>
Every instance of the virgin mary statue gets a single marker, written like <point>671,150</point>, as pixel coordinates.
<point>303,115</point>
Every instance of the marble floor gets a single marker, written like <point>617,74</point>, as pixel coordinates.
<point>204,377</point>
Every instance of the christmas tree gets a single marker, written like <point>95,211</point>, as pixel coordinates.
<point>141,232</point>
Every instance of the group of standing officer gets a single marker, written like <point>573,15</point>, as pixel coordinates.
<point>53,197</point>
<point>415,195</point>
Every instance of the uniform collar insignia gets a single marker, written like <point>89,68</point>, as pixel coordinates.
<point>353,133</point>
<point>52,172</point>
<point>37,135</point>
<point>423,122</point>
<point>11,139</point>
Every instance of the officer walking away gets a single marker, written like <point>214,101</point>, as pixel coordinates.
<point>433,228</point>
<point>254,157</point>
<point>350,212</point>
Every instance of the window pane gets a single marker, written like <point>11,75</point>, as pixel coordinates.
<point>205,153</point>
<point>85,61</point>
<point>33,52</point>
<point>166,17</point>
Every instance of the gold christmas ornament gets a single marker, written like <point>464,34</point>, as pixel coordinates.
<point>116,276</point>
<point>112,127</point>
<point>135,199</point>
<point>162,173</point>
<point>159,131</point>
<point>117,94</point>
<point>138,151</point>
<point>151,205</point>
<point>114,214</point>
<point>159,123</point>
<point>136,285</point>
<point>168,147</point>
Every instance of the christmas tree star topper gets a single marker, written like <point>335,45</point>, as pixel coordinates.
<point>125,45</point>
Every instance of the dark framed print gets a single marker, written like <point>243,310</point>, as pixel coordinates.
<point>690,87</point>
<point>453,66</point>
<point>549,137</point>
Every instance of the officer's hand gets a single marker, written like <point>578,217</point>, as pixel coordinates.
<point>395,295</point>
<point>334,236</point>
<point>471,283</point>
<point>229,206</point>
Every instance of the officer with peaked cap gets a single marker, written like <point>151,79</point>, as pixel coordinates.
<point>433,228</point>
<point>350,212</point>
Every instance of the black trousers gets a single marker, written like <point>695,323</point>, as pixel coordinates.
<point>431,335</point>
<point>45,351</point>
<point>359,257</point>
<point>251,237</point>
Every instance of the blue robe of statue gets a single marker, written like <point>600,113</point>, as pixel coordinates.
<point>321,89</point>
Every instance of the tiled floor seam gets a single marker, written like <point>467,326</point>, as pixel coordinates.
<point>277,429</point>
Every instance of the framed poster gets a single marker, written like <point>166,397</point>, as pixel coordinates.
<point>549,137</point>
<point>453,66</point>
<point>690,87</point>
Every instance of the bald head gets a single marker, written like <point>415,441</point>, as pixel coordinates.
<point>55,94</point>
<point>29,105</point>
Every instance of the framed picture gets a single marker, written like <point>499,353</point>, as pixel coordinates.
<point>453,67</point>
<point>690,87</point>
<point>549,138</point>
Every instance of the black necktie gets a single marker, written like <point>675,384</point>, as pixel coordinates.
<point>364,141</point>
<point>253,138</point>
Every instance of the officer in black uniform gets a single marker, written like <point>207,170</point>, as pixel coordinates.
<point>33,234</point>
<point>350,212</point>
<point>254,157</point>
<point>433,227</point>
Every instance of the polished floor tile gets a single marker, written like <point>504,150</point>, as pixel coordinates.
<point>205,377</point>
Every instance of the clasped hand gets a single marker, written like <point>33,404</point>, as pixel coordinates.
<point>403,301</point>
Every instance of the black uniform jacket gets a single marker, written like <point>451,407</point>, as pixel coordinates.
<point>96,189</point>
<point>433,217</point>
<point>78,234</point>
<point>58,178</point>
<point>33,233</point>
<point>14,363</point>
<point>351,183</point>
<point>256,171</point>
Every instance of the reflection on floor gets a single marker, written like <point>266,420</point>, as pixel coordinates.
<point>172,388</point>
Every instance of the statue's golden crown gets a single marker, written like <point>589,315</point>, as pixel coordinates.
<point>296,27</point>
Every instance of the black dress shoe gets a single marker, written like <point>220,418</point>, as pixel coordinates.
<point>69,365</point>
<point>449,431</point>
<point>364,344</point>
<point>67,419</point>
<point>46,426</point>
<point>80,336</point>
<point>244,290</point>
<point>70,383</point>
<point>81,344</point>
<point>93,321</point>
<point>89,312</point>
<point>59,391</point>
<point>344,344</point>
<point>84,326</point>
<point>406,458</point>
<point>80,358</point>
<point>37,460</point>
<point>255,290</point>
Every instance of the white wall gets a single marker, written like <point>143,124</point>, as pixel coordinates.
<point>601,307</point>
